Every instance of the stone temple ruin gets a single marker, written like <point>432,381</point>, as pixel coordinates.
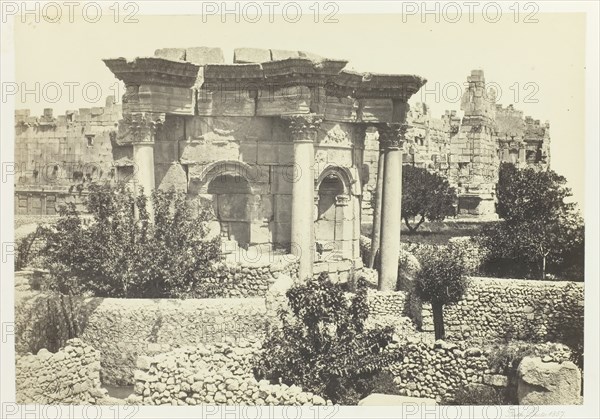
<point>269,137</point>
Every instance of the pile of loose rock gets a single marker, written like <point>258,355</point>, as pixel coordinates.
<point>69,376</point>
<point>211,374</point>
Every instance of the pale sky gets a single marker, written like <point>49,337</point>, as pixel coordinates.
<point>539,67</point>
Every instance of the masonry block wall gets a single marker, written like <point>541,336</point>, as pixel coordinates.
<point>498,309</point>
<point>56,155</point>
<point>69,376</point>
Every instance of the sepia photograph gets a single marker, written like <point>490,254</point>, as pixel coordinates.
<point>299,209</point>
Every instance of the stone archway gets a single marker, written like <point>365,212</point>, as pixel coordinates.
<point>231,196</point>
<point>332,227</point>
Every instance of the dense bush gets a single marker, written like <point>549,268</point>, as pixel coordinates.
<point>322,344</point>
<point>425,195</point>
<point>541,232</point>
<point>122,252</point>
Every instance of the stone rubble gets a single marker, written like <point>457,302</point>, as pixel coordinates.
<point>218,374</point>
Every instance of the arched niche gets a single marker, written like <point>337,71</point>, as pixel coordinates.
<point>231,199</point>
<point>333,216</point>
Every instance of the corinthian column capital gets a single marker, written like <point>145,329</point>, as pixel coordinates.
<point>391,136</point>
<point>304,127</point>
<point>138,128</point>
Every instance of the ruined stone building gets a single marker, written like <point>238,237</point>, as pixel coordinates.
<point>468,150</point>
<point>273,142</point>
<point>284,145</point>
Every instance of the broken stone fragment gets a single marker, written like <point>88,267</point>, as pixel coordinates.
<point>171,53</point>
<point>204,55</point>
<point>280,54</point>
<point>251,55</point>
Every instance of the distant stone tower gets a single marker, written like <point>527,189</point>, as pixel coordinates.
<point>474,158</point>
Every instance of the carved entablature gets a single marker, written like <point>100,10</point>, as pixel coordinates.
<point>304,127</point>
<point>302,72</point>
<point>153,70</point>
<point>232,77</point>
<point>392,136</point>
<point>138,128</point>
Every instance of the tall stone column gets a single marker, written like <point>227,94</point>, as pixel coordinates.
<point>143,158</point>
<point>139,130</point>
<point>391,137</point>
<point>303,129</point>
<point>376,233</point>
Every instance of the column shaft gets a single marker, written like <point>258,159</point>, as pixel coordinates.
<point>391,137</point>
<point>376,233</point>
<point>143,158</point>
<point>302,208</point>
<point>391,220</point>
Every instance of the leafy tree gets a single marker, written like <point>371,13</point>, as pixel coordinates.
<point>441,281</point>
<point>323,344</point>
<point>529,194</point>
<point>425,195</point>
<point>540,228</point>
<point>117,251</point>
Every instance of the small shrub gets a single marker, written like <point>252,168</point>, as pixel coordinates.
<point>478,395</point>
<point>322,345</point>
<point>441,281</point>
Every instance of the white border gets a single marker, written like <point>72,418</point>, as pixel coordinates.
<point>591,388</point>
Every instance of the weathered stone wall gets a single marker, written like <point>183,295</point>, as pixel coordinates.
<point>437,370</point>
<point>69,376</point>
<point>56,156</point>
<point>245,279</point>
<point>495,309</point>
<point>219,374</point>
<point>124,329</point>
<point>498,309</point>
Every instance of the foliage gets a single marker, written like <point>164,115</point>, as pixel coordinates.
<point>323,345</point>
<point>425,195</point>
<point>506,358</point>
<point>478,395</point>
<point>48,320</point>
<point>26,253</point>
<point>121,252</point>
<point>541,232</point>
<point>471,253</point>
<point>442,280</point>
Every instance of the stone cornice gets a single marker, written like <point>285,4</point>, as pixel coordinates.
<point>326,73</point>
<point>302,71</point>
<point>374,86</point>
<point>232,76</point>
<point>153,70</point>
